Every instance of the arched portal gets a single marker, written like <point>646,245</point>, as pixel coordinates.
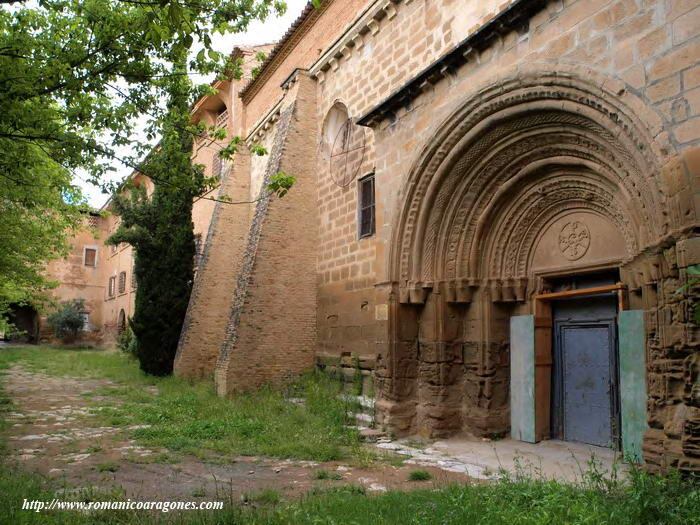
<point>532,181</point>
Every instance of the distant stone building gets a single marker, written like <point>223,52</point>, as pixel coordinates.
<point>495,211</point>
<point>102,275</point>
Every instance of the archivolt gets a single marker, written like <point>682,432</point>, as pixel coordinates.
<point>508,229</point>
<point>511,157</point>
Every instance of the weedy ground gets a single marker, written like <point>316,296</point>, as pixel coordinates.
<point>186,419</point>
<point>189,417</point>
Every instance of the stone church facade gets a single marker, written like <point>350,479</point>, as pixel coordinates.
<point>494,201</point>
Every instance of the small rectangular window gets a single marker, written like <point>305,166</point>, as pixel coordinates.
<point>112,286</point>
<point>122,282</point>
<point>90,257</point>
<point>366,204</point>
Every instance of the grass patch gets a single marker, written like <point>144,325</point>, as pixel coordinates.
<point>199,492</point>
<point>189,418</point>
<point>109,466</point>
<point>420,475</point>
<point>646,500</point>
<point>264,497</point>
<point>325,474</point>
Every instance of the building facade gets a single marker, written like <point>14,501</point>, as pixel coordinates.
<point>495,209</point>
<point>103,275</point>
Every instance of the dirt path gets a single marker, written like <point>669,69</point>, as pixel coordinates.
<point>52,431</point>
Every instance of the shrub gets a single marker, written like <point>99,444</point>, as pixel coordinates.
<point>419,475</point>
<point>126,342</point>
<point>67,321</point>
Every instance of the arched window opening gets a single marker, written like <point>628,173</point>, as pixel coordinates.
<point>121,321</point>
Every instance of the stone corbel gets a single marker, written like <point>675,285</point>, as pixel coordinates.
<point>520,289</point>
<point>507,291</point>
<point>650,269</point>
<point>688,252</point>
<point>358,41</point>
<point>459,291</point>
<point>671,261</point>
<point>414,293</point>
<point>630,276</point>
<point>511,290</point>
<point>346,51</point>
<point>657,265</point>
<point>469,53</point>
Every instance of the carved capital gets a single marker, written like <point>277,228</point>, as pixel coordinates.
<point>459,291</point>
<point>510,290</point>
<point>414,292</point>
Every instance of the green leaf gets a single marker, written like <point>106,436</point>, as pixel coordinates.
<point>257,149</point>
<point>694,269</point>
<point>281,183</point>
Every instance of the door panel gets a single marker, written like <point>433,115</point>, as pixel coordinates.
<point>585,371</point>
<point>587,383</point>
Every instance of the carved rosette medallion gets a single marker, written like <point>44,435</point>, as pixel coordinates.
<point>574,240</point>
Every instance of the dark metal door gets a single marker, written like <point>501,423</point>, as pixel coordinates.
<point>585,372</point>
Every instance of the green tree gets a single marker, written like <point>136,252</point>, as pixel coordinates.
<point>36,218</point>
<point>75,78</point>
<point>160,229</point>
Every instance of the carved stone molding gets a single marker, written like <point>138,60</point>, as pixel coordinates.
<point>574,240</point>
<point>511,157</point>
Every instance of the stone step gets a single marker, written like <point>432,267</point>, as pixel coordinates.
<point>366,419</point>
<point>364,401</point>
<point>371,435</point>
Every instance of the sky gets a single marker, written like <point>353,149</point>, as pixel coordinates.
<point>258,33</point>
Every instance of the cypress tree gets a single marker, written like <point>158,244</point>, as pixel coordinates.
<point>160,229</point>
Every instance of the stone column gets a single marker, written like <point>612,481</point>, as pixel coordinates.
<point>486,366</point>
<point>397,368</point>
<point>440,367</point>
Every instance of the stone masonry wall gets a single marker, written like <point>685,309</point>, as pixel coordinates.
<point>204,328</point>
<point>650,46</point>
<point>308,274</point>
<point>272,322</point>
<point>332,20</point>
<point>648,51</point>
<point>664,286</point>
